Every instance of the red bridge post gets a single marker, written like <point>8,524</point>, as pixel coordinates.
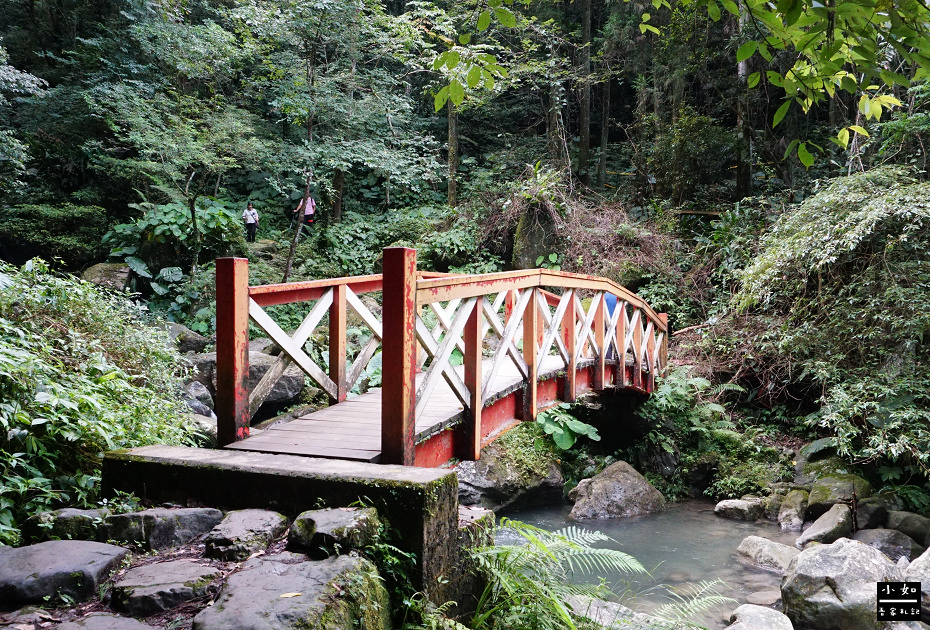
<point>531,330</point>
<point>399,356</point>
<point>232,350</point>
<point>471,450</point>
<point>337,343</point>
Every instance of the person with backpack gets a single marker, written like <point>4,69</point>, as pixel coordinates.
<point>250,216</point>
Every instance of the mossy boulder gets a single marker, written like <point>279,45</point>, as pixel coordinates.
<point>793,508</point>
<point>287,591</point>
<point>243,532</point>
<point>66,524</point>
<point>324,533</point>
<point>836,488</point>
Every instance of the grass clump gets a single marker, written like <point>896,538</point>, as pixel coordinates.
<point>82,371</point>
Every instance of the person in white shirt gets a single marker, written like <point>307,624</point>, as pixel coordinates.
<point>308,205</point>
<point>250,216</point>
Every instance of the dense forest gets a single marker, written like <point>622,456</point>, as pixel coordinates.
<point>756,170</point>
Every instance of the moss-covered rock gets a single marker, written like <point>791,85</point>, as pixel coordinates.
<point>836,488</point>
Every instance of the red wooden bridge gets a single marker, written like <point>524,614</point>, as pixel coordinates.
<point>527,339</point>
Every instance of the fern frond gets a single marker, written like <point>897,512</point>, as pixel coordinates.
<point>604,559</point>
<point>691,601</point>
<point>581,536</point>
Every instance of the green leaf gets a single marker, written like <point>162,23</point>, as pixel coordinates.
<point>158,288</point>
<point>746,51</point>
<point>780,114</point>
<point>713,10</point>
<point>452,59</point>
<point>484,20</point>
<point>474,77</point>
<point>456,92</point>
<point>506,17</point>
<point>804,155</point>
<point>138,267</point>
<point>465,39</point>
<point>439,100</point>
<point>753,79</point>
<point>563,439</point>
<point>553,257</point>
<point>842,138</point>
<point>859,130</point>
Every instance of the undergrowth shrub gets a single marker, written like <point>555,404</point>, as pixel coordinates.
<point>847,273</point>
<point>82,371</point>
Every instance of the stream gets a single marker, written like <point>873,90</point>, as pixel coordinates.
<point>685,544</point>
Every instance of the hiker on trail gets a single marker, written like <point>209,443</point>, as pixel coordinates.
<point>308,205</point>
<point>250,216</point>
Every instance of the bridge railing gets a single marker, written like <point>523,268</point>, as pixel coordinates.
<point>426,318</point>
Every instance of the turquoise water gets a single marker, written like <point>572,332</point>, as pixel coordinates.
<point>685,544</point>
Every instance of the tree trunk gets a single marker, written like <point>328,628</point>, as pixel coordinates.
<point>605,134</point>
<point>339,181</point>
<point>453,151</point>
<point>743,145</point>
<point>584,99</point>
<point>195,236</point>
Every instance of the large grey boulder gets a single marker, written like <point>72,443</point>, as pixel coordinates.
<point>65,524</point>
<point>494,483</point>
<point>828,491</point>
<point>110,275</point>
<point>282,591</point>
<point>834,524</point>
<point>56,568</point>
<point>739,509</point>
<point>750,617</point>
<point>771,506</point>
<point>766,553</point>
<point>618,491</point>
<point>871,513</point>
<point>154,588</point>
<point>161,528</point>
<point>199,392</point>
<point>285,391</point>
<point>914,525</point>
<point>793,508</point>
<point>919,571</point>
<point>186,339</point>
<point>890,542</point>
<point>832,587</point>
<point>243,532</point>
<point>105,621</point>
<point>323,533</point>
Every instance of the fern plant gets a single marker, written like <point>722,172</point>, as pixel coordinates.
<point>528,584</point>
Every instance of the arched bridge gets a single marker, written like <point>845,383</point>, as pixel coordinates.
<point>464,357</point>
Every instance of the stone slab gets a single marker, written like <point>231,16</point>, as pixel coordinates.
<point>74,568</point>
<point>105,621</point>
<point>153,588</point>
<point>244,532</point>
<point>420,503</point>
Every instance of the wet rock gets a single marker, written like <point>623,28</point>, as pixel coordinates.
<point>752,617</point>
<point>105,621</point>
<point>66,524</point>
<point>616,492</point>
<point>72,568</point>
<point>767,554</point>
<point>154,588</point>
<point>204,365</point>
<point>768,597</point>
<point>323,533</point>
<point>199,408</point>
<point>611,614</point>
<point>161,528</point>
<point>832,587</point>
<point>243,532</point>
<point>110,275</point>
<point>771,506</point>
<point>813,470</point>
<point>871,513</point>
<point>493,483</point>
<point>277,592</point>
<point>199,392</point>
<point>829,491</point>
<point>791,514</point>
<point>739,509</point>
<point>186,339</point>
<point>834,524</point>
<point>890,542</point>
<point>914,525</point>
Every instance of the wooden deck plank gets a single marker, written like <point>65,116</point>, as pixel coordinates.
<point>352,428</point>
